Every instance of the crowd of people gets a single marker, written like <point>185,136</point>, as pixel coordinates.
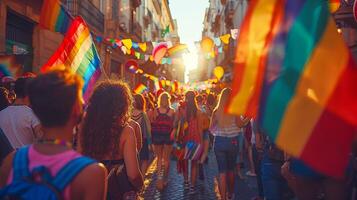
<point>55,145</point>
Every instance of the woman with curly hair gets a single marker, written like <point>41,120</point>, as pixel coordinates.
<point>107,137</point>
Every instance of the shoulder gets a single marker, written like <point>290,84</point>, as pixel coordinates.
<point>88,179</point>
<point>128,132</point>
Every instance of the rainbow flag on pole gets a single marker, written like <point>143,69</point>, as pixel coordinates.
<point>54,16</point>
<point>295,73</point>
<point>78,52</point>
<point>140,89</point>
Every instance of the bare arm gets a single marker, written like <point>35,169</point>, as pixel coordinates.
<point>213,120</point>
<point>130,158</point>
<point>242,122</point>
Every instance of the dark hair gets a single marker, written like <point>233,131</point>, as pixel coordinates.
<point>21,87</point>
<point>139,102</point>
<point>211,100</point>
<point>199,98</point>
<point>4,101</point>
<point>52,96</point>
<point>191,105</point>
<point>107,114</point>
<point>149,104</point>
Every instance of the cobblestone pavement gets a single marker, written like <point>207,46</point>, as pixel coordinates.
<point>205,189</point>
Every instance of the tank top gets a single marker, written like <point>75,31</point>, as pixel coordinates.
<point>163,124</point>
<point>52,162</point>
<point>231,130</point>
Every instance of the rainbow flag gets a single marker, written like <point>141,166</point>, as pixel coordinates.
<point>78,52</point>
<point>140,89</point>
<point>54,16</point>
<point>334,5</point>
<point>294,72</point>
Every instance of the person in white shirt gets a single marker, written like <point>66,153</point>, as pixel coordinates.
<point>18,122</point>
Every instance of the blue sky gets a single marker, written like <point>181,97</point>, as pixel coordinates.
<point>189,15</point>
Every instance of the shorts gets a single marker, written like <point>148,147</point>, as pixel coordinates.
<point>161,139</point>
<point>144,153</point>
<point>240,148</point>
<point>226,150</point>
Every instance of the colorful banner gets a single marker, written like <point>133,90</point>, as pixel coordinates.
<point>301,98</point>
<point>54,16</point>
<point>78,52</point>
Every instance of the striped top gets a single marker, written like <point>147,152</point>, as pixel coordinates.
<point>231,130</point>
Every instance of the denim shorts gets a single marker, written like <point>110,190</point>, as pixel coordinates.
<point>226,150</point>
<point>161,139</point>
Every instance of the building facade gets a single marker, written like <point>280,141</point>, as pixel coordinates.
<point>139,20</point>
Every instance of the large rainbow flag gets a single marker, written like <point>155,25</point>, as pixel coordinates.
<point>294,72</point>
<point>54,16</point>
<point>78,52</point>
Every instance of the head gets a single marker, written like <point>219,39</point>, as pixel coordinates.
<point>56,98</point>
<point>21,87</point>
<point>199,99</point>
<point>4,99</point>
<point>164,100</point>
<point>191,105</point>
<point>139,102</point>
<point>223,98</point>
<point>107,114</point>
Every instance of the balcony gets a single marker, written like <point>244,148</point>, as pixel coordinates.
<point>90,13</point>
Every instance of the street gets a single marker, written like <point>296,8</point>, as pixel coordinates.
<point>206,189</point>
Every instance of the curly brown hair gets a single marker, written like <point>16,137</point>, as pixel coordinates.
<point>107,114</point>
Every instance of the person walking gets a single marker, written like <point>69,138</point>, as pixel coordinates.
<point>192,121</point>
<point>161,129</point>
<point>106,136</point>
<point>140,116</point>
<point>18,122</point>
<point>225,128</point>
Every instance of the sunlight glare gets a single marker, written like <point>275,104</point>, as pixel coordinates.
<point>190,59</point>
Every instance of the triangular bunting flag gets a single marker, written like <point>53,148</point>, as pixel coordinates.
<point>225,38</point>
<point>135,45</point>
<point>147,57</point>
<point>127,43</point>
<point>142,46</point>
<point>217,41</point>
<point>137,55</point>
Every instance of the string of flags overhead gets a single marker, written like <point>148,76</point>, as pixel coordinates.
<point>212,46</point>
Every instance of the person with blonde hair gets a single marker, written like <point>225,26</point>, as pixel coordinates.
<point>161,128</point>
<point>226,129</point>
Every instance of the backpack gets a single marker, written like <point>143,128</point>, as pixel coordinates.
<point>163,124</point>
<point>25,187</point>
